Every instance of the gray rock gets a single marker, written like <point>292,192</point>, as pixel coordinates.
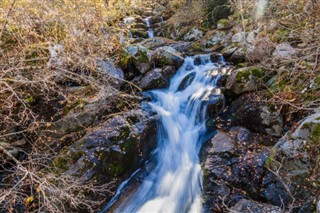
<point>284,51</point>
<point>249,206</point>
<point>221,143</point>
<point>193,35</point>
<point>239,37</point>
<point>239,55</point>
<point>116,72</point>
<point>166,55</point>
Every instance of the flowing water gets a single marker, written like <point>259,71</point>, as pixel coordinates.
<point>175,184</point>
<point>150,30</point>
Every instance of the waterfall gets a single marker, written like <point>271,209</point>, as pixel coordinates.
<point>175,184</point>
<point>150,30</point>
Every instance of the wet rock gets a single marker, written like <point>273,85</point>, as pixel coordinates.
<point>115,148</point>
<point>163,56</point>
<point>224,24</point>
<point>193,35</point>
<point>244,79</point>
<point>284,51</point>
<point>254,115</point>
<point>249,206</point>
<point>157,78</point>
<point>187,81</point>
<point>140,57</point>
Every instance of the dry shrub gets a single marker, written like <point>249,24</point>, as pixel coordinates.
<point>47,47</point>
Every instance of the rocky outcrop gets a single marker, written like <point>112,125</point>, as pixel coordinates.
<point>115,148</point>
<point>296,158</point>
<point>234,169</point>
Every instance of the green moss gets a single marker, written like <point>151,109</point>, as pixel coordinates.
<point>272,155</point>
<point>280,35</point>
<point>60,164</point>
<point>125,59</point>
<point>115,170</point>
<point>224,22</point>
<point>142,56</point>
<point>315,134</point>
<point>317,81</point>
<point>245,73</point>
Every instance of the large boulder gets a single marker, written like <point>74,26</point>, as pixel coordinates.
<point>245,79</point>
<point>166,55</point>
<point>255,115</point>
<point>114,149</point>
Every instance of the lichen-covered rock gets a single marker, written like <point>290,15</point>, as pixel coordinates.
<point>116,148</point>
<point>249,206</point>
<point>193,35</point>
<point>140,57</point>
<point>157,78</point>
<point>166,55</point>
<point>244,79</point>
<point>255,115</point>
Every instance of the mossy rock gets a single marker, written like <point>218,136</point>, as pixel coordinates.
<point>245,79</point>
<point>224,24</point>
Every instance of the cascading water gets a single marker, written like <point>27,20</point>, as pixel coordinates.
<point>175,184</point>
<point>150,30</point>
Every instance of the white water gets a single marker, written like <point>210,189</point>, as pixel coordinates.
<point>150,30</point>
<point>150,33</point>
<point>175,185</point>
